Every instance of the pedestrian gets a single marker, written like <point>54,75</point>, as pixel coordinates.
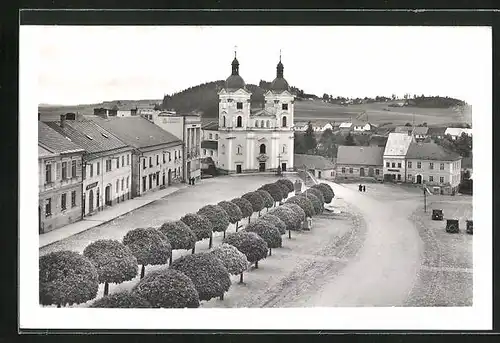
<point>360,188</point>
<point>364,188</point>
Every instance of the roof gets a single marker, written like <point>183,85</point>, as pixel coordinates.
<point>403,129</point>
<point>54,142</point>
<point>420,130</point>
<point>88,135</point>
<point>430,151</point>
<point>42,152</point>
<point>397,144</point>
<point>213,126</point>
<point>378,140</point>
<point>457,131</point>
<point>345,125</point>
<point>436,131</point>
<point>137,132</point>
<point>209,145</point>
<point>279,85</point>
<point>312,162</point>
<point>234,82</point>
<point>360,155</point>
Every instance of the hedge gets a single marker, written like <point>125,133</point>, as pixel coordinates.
<point>255,199</point>
<point>268,199</point>
<point>180,236</point>
<point>149,246</point>
<point>234,260</point>
<point>209,275</point>
<point>287,183</point>
<point>232,210</point>
<point>305,204</point>
<point>284,189</point>
<point>327,191</point>
<point>280,225</point>
<point>121,300</point>
<point>245,206</point>
<point>66,277</point>
<point>268,232</point>
<point>250,244</point>
<point>274,190</point>
<point>217,216</point>
<point>200,225</point>
<point>168,288</point>
<point>114,262</point>
<point>315,201</point>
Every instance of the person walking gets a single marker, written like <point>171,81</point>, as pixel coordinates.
<point>364,188</point>
<point>360,188</point>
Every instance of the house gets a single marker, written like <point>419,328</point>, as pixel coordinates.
<point>395,154</point>
<point>360,162</point>
<point>361,126</point>
<point>456,132</point>
<point>378,140</point>
<point>404,129</point>
<point>59,180</point>
<point>210,135</point>
<point>106,171</point>
<point>434,166</point>
<point>157,154</point>
<point>319,166</point>
<point>436,132</point>
<point>420,132</point>
<point>328,126</point>
<point>345,127</point>
<point>116,111</point>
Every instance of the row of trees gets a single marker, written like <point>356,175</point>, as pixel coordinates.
<point>327,145</point>
<point>67,277</point>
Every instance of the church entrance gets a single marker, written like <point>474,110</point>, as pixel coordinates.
<point>262,166</point>
<point>283,167</point>
<point>238,169</point>
<point>419,179</point>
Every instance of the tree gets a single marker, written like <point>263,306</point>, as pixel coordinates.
<point>463,145</point>
<point>326,97</point>
<point>180,236</point>
<point>327,140</point>
<point>288,183</point>
<point>234,260</point>
<point>268,232</point>
<point>299,146</point>
<point>122,299</point>
<point>149,246</point>
<point>407,124</point>
<point>310,139</point>
<point>256,200</point>
<point>291,219</point>
<point>318,194</point>
<point>168,288</point>
<point>298,212</point>
<point>349,140</point>
<point>66,277</point>
<point>250,244</point>
<point>200,225</point>
<point>327,191</point>
<point>114,262</point>
<point>245,208</point>
<point>284,189</point>
<point>275,191</point>
<point>209,276</point>
<point>315,201</point>
<point>218,217</point>
<point>278,223</point>
<point>305,204</point>
<point>268,199</point>
<point>233,211</point>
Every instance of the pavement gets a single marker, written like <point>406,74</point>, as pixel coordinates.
<point>105,216</point>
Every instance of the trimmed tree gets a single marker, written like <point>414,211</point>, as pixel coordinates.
<point>218,217</point>
<point>66,277</point>
<point>180,236</point>
<point>268,199</point>
<point>318,194</point>
<point>305,204</point>
<point>297,210</point>
<point>168,288</point>
<point>210,277</point>
<point>287,215</point>
<point>284,190</point>
<point>250,244</point>
<point>256,200</point>
<point>234,260</point>
<point>274,190</point>
<point>233,211</point>
<point>114,262</point>
<point>268,232</point>
<point>315,201</point>
<point>121,300</point>
<point>287,183</point>
<point>149,246</point>
<point>278,223</point>
<point>326,190</point>
<point>245,208</point>
<point>200,225</point>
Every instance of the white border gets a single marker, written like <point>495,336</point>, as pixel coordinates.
<point>477,317</point>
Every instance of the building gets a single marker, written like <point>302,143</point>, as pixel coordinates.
<point>403,129</point>
<point>456,132</point>
<point>395,154</point>
<point>59,180</point>
<point>255,140</point>
<point>436,132</point>
<point>106,169</point>
<point>319,166</point>
<point>361,126</point>
<point>360,162</point>
<point>210,137</point>
<point>431,164</point>
<point>116,111</point>
<point>420,132</point>
<point>156,155</point>
<point>345,127</point>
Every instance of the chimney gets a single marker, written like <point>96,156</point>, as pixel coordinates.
<point>70,116</point>
<point>63,120</point>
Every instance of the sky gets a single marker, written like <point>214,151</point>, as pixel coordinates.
<point>90,64</point>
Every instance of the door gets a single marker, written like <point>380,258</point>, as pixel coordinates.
<point>163,179</point>
<point>91,201</point>
<point>283,167</point>
<point>238,169</point>
<point>262,166</point>
<point>150,181</point>
<point>144,183</point>
<point>419,178</point>
<point>370,171</point>
<point>169,177</point>
<point>97,199</point>
<point>361,171</point>
<point>107,195</point>
<point>157,179</point>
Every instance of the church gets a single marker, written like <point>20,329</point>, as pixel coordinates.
<point>255,140</point>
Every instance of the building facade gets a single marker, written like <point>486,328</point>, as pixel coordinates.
<point>319,166</point>
<point>209,143</point>
<point>255,140</point>
<point>395,155</point>
<point>60,180</point>
<point>355,162</point>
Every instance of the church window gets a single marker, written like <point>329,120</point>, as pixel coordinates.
<point>256,123</point>
<point>239,121</point>
<point>284,148</point>
<point>261,123</point>
<point>284,107</point>
<point>284,122</point>
<point>238,150</point>
<point>216,136</point>
<point>268,124</point>
<point>223,121</point>
<point>239,105</point>
<point>262,148</point>
<point>209,136</point>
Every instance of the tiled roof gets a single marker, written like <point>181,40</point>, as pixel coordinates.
<point>397,144</point>
<point>42,152</point>
<point>430,151</point>
<point>360,155</point>
<point>436,131</point>
<point>209,145</point>
<point>420,130</point>
<point>88,135</point>
<point>213,126</point>
<point>312,162</point>
<point>54,141</point>
<point>137,132</point>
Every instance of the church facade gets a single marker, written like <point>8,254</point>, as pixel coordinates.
<point>255,140</point>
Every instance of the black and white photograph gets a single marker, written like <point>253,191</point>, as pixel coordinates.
<point>255,177</point>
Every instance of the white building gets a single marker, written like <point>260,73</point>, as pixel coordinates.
<point>456,132</point>
<point>253,141</point>
<point>395,154</point>
<point>210,135</point>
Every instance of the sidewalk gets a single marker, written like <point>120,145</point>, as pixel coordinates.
<point>105,216</point>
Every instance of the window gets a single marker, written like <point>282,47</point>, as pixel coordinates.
<point>350,170</point>
<point>256,123</point>
<point>284,122</point>
<point>239,105</point>
<point>150,161</point>
<point>343,170</point>
<point>441,179</point>
<point>63,201</point>
<point>276,101</point>
<point>399,164</point>
<point>419,165</point>
<point>441,166</point>
<point>399,177</point>
<point>431,178</point>
<point>238,150</point>
<point>377,172</point>
<point>284,107</point>
<point>409,164</point>
<point>223,121</point>
<point>387,164</point>
<point>73,199</point>
<point>393,165</point>
<point>48,207</point>
<point>239,121</point>
<point>144,163</point>
<point>117,163</point>
<point>123,181</point>
<point>65,170</point>
<point>128,159</point>
<point>410,177</point>
<point>108,165</point>
<point>91,166</point>
<point>175,154</point>
<point>98,168</point>
<point>123,161</point>
<point>157,160</point>
<point>268,124</point>
<point>117,184</point>
<point>73,168</point>
<point>262,149</point>
<point>431,165</point>
<point>169,156</point>
<point>284,148</point>
<point>261,123</point>
<point>164,160</point>
<point>211,152</point>
<point>209,136</point>
<point>128,177</point>
<point>216,136</point>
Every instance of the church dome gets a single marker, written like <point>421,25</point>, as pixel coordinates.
<point>279,84</point>
<point>235,81</point>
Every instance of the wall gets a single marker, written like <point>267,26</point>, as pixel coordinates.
<point>356,173</point>
<point>451,172</point>
<point>396,169</point>
<point>324,174</point>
